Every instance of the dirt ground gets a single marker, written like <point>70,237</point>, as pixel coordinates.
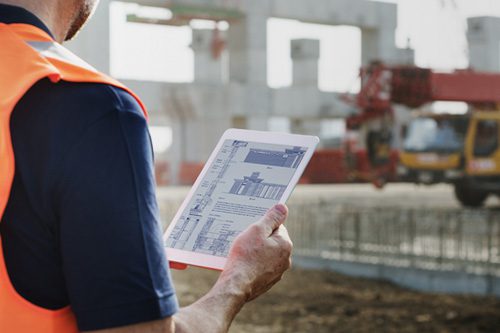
<point>320,302</point>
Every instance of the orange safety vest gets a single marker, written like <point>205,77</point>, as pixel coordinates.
<point>27,55</point>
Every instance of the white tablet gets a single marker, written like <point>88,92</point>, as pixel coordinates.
<point>246,174</point>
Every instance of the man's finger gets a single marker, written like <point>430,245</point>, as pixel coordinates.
<point>274,217</point>
<point>281,236</point>
<point>282,232</point>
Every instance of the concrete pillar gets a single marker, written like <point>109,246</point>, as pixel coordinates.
<point>207,69</point>
<point>305,56</point>
<point>92,44</point>
<point>484,43</point>
<point>177,154</point>
<point>199,115</point>
<point>379,42</point>
<point>247,43</point>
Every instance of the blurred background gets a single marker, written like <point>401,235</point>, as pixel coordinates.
<point>405,96</point>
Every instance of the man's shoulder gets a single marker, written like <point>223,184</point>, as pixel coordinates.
<point>79,99</point>
<point>69,111</point>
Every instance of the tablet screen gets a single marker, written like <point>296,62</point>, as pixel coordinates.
<point>243,182</point>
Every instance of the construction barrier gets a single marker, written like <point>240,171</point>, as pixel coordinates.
<point>162,173</point>
<point>335,166</point>
<point>428,248</point>
<point>433,238</point>
<point>436,239</point>
<point>327,166</point>
<point>188,172</point>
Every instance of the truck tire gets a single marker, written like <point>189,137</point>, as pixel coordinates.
<point>469,196</point>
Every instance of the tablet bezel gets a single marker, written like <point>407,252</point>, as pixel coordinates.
<point>214,262</point>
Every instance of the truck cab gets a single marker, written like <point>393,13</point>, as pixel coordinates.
<point>482,160</point>
<point>433,148</point>
<point>462,150</point>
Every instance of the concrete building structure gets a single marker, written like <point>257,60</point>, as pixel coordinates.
<point>484,43</point>
<point>199,112</point>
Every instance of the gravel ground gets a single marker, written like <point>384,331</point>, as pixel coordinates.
<point>320,302</point>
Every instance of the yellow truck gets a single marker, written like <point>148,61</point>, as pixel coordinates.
<point>463,150</point>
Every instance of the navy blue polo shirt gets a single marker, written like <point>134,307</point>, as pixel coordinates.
<point>81,226</point>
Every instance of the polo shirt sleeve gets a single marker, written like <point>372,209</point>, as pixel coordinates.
<point>111,246</point>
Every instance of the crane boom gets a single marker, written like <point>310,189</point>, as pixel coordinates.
<point>383,86</point>
<point>414,86</point>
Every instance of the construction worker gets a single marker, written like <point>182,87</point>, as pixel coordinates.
<point>81,246</point>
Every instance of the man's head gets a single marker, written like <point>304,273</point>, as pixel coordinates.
<point>63,17</point>
<point>82,10</point>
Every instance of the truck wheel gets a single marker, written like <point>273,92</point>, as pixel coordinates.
<point>469,196</point>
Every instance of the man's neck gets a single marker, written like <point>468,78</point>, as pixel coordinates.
<point>48,11</point>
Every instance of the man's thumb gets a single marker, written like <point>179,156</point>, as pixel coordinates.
<point>274,217</point>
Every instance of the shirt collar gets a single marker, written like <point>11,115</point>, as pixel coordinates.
<point>13,14</point>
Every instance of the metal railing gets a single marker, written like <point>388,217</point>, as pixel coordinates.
<point>445,239</point>
<point>439,239</point>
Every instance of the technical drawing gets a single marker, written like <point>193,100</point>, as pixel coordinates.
<point>208,224</point>
<point>207,197</point>
<point>253,186</point>
<point>289,158</point>
<point>187,224</point>
<point>182,231</point>
<point>215,239</point>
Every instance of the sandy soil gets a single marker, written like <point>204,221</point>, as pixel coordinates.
<point>320,302</point>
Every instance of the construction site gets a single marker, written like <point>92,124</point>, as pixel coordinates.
<point>395,223</point>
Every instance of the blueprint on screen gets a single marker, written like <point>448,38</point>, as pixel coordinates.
<point>243,182</point>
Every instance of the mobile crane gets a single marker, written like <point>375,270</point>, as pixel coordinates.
<point>463,150</point>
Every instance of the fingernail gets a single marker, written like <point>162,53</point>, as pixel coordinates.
<point>280,208</point>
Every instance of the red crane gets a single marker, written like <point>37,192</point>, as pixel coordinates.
<point>382,86</point>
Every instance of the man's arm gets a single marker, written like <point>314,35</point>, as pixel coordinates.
<point>257,260</point>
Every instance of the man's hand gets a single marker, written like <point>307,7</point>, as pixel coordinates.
<point>257,260</point>
<point>261,254</point>
<point>259,257</point>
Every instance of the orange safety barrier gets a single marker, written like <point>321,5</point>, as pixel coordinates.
<point>327,166</point>
<point>335,166</point>
<point>162,173</point>
<point>189,171</point>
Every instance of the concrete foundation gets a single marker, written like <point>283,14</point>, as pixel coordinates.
<point>417,237</point>
<point>452,282</point>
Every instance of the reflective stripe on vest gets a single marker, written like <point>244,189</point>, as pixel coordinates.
<point>27,55</point>
<point>55,50</point>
